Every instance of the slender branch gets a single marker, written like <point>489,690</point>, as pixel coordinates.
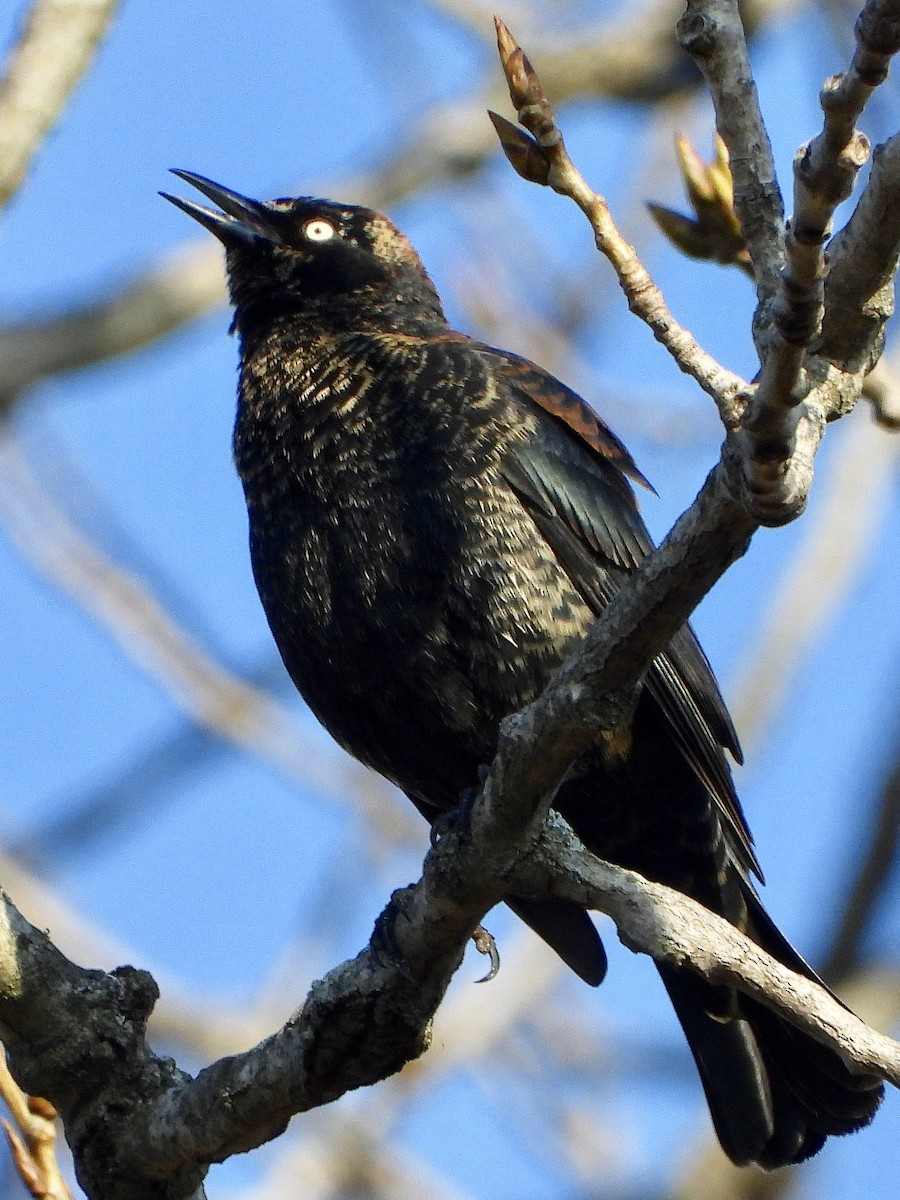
<point>32,1139</point>
<point>826,168</point>
<point>543,158</point>
<point>824,173</point>
<point>667,924</point>
<point>773,461</point>
<point>712,32</point>
<point>55,50</point>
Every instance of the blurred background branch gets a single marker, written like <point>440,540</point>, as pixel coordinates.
<point>55,49</point>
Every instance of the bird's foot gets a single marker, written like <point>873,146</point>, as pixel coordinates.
<point>383,945</point>
<point>485,944</point>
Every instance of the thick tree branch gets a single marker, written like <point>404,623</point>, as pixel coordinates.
<point>90,1030</point>
<point>139,1129</point>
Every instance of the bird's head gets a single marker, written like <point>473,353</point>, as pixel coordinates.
<point>312,257</point>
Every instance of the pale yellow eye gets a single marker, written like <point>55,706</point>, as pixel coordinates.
<point>318,230</point>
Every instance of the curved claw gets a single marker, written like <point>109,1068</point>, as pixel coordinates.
<point>485,944</point>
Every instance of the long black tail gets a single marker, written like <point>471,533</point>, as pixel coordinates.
<point>774,1093</point>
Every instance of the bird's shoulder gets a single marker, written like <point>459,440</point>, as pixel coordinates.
<point>453,366</point>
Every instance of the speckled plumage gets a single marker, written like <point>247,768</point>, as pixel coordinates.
<point>402,490</point>
<point>433,525</point>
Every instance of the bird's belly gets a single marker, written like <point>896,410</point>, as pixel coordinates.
<point>411,639</point>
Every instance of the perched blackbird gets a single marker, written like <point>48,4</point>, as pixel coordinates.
<point>434,523</point>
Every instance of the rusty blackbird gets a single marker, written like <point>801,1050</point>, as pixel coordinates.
<point>433,525</point>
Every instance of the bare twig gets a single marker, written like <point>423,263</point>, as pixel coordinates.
<point>824,173</point>
<point>877,41</point>
<point>874,992</point>
<point>542,158</point>
<point>32,1139</point>
<point>825,169</point>
<point>776,477</point>
<point>657,922</point>
<point>773,468</point>
<point>56,48</point>
<point>712,32</point>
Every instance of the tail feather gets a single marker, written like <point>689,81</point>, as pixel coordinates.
<point>843,1101</point>
<point>775,1093</point>
<point>834,1099</point>
<point>568,928</point>
<point>730,1065</point>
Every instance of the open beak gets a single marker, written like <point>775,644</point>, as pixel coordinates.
<point>241,219</point>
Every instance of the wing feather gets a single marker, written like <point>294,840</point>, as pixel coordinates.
<point>587,514</point>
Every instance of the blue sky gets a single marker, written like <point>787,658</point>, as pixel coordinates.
<point>219,867</point>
